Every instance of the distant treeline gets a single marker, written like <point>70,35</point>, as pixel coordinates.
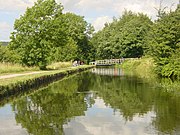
<point>4,43</point>
<point>44,34</point>
<point>136,35</point>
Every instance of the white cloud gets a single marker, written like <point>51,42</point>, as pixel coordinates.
<point>103,11</point>
<point>5,29</point>
<point>100,21</point>
<point>8,10</point>
<point>8,124</point>
<point>99,103</point>
<point>102,120</point>
<point>97,5</point>
<point>15,5</point>
<point>146,7</point>
<point>4,25</point>
<point>68,4</point>
<point>97,12</point>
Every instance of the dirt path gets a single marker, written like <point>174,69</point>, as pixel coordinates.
<point>20,74</point>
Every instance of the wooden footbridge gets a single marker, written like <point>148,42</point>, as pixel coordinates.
<point>107,62</point>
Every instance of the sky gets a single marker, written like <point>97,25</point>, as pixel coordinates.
<point>103,120</point>
<point>96,12</point>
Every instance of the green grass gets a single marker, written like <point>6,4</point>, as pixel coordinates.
<point>143,67</point>
<point>15,68</point>
<point>59,65</point>
<point>9,68</point>
<point>14,80</point>
<point>6,68</point>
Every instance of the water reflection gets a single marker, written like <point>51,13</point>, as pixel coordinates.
<point>46,111</point>
<point>93,103</point>
<point>8,124</point>
<point>103,120</point>
<point>108,71</point>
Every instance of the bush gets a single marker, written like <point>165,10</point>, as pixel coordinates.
<point>163,43</point>
<point>7,55</point>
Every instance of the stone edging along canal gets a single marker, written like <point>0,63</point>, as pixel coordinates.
<point>35,83</point>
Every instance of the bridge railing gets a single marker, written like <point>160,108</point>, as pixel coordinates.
<point>110,61</point>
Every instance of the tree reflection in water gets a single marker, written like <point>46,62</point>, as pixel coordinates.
<point>47,110</point>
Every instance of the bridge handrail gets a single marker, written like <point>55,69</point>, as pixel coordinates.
<point>111,61</point>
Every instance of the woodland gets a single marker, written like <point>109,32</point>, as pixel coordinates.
<point>45,34</point>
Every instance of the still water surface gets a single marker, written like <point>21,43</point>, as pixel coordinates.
<point>103,101</point>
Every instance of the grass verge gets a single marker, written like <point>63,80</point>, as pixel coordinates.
<point>143,67</point>
<point>59,65</point>
<point>15,68</point>
<point>14,80</point>
<point>13,87</point>
<point>6,68</point>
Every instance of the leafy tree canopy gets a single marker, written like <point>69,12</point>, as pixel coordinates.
<point>124,37</point>
<point>38,31</point>
<point>78,33</point>
<point>44,34</point>
<point>164,43</point>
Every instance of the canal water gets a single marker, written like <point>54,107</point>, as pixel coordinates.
<point>102,101</point>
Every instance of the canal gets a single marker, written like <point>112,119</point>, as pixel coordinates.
<point>101,101</point>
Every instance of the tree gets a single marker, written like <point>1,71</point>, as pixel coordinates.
<point>7,55</point>
<point>37,32</point>
<point>2,52</point>
<point>124,37</point>
<point>45,112</point>
<point>79,31</point>
<point>102,42</point>
<point>67,52</point>
<point>163,41</point>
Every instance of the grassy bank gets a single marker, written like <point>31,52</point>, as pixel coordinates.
<point>59,65</point>
<point>14,80</point>
<point>6,68</point>
<point>12,86</point>
<point>15,68</point>
<point>143,67</point>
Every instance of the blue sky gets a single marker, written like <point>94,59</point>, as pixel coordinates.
<point>96,12</point>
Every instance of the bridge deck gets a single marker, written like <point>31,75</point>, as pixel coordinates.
<point>107,62</point>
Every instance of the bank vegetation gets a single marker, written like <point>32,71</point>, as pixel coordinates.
<point>135,35</point>
<point>44,34</point>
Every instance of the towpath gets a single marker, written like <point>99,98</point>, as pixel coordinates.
<point>20,74</point>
